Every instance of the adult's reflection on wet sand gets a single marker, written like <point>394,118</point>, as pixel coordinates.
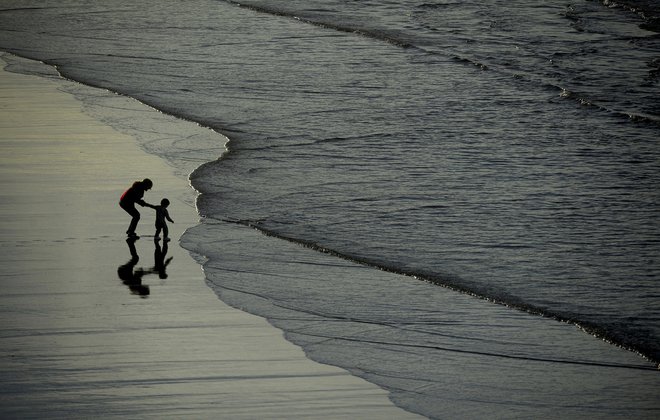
<point>132,277</point>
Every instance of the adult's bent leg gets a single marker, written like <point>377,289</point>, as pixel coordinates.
<point>134,222</point>
<point>135,218</point>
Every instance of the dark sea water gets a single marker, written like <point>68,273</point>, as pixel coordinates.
<point>509,150</point>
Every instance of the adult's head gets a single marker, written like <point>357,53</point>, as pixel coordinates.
<point>147,184</point>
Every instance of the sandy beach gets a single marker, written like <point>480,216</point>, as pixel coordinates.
<point>86,332</point>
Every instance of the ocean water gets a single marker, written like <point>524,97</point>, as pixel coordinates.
<point>444,187</point>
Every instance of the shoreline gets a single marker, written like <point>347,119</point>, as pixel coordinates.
<point>80,343</point>
<point>78,339</point>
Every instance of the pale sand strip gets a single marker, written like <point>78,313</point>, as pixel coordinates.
<point>75,342</point>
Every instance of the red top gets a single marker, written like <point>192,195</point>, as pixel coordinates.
<point>133,194</point>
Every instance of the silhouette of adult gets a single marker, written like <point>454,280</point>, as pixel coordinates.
<point>132,196</point>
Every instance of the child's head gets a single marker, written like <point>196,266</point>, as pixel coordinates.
<point>164,202</point>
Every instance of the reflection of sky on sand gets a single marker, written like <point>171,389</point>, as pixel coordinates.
<point>132,276</point>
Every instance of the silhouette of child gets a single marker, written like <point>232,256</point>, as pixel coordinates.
<point>161,215</point>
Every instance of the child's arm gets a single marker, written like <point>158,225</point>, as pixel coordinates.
<point>167,216</point>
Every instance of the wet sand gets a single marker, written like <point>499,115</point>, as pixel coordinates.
<point>89,330</point>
